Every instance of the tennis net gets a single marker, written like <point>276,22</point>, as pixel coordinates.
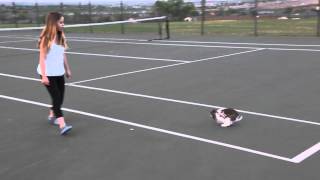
<point>147,28</point>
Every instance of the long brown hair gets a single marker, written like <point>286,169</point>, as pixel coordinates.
<point>51,31</point>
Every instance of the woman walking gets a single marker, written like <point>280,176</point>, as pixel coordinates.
<point>53,65</point>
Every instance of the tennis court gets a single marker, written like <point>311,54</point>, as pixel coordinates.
<point>140,109</point>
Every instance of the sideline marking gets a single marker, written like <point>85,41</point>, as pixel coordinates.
<point>155,129</point>
<point>100,55</point>
<point>170,100</point>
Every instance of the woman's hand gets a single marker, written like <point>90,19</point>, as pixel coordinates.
<point>45,80</point>
<point>68,74</point>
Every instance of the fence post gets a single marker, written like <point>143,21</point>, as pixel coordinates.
<point>90,16</point>
<point>79,19</point>
<point>37,14</point>
<point>61,8</point>
<point>14,11</point>
<point>318,18</point>
<point>203,15</point>
<point>255,18</point>
<point>121,17</point>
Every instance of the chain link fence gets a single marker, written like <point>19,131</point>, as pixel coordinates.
<point>18,15</point>
<point>253,18</point>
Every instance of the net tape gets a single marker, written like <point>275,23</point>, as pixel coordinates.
<point>88,24</point>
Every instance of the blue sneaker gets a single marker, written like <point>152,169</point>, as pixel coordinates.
<point>53,121</point>
<point>65,130</point>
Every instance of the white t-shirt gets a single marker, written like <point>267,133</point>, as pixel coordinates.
<point>54,61</point>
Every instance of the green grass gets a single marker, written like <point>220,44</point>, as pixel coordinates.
<point>303,27</point>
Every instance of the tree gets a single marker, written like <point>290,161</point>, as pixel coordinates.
<point>175,9</point>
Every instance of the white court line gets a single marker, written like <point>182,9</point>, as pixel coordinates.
<point>155,44</point>
<point>199,42</point>
<point>161,67</point>
<point>201,46</point>
<point>19,77</point>
<point>126,57</point>
<point>149,69</point>
<point>194,104</point>
<point>285,49</point>
<point>162,44</point>
<point>20,37</point>
<point>16,48</point>
<point>235,43</point>
<point>195,42</point>
<point>99,55</point>
<point>156,129</point>
<point>116,39</point>
<point>126,73</point>
<point>171,100</point>
<point>307,153</point>
<point>16,41</point>
<point>297,159</point>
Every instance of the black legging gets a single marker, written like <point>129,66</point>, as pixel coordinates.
<point>56,91</point>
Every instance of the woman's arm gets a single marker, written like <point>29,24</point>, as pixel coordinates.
<point>42,58</point>
<point>67,67</point>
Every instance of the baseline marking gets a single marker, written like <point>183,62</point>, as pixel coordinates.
<point>307,153</point>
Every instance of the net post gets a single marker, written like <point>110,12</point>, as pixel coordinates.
<point>167,28</point>
<point>160,29</point>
